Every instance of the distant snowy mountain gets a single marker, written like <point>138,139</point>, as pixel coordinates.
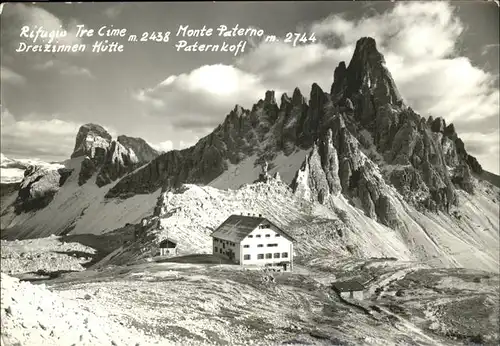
<point>12,170</point>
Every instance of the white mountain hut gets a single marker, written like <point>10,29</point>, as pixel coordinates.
<point>253,240</point>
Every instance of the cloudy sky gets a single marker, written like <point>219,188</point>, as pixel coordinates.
<point>443,57</point>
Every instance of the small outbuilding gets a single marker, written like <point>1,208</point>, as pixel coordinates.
<point>349,289</point>
<point>168,248</point>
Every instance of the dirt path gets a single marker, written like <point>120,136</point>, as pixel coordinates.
<point>411,327</point>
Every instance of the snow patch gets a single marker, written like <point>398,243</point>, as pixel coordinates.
<point>246,172</point>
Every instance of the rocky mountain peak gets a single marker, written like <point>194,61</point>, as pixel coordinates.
<point>438,125</point>
<point>366,50</point>
<point>339,76</point>
<point>238,110</point>
<point>315,90</point>
<point>285,100</point>
<point>109,159</point>
<point>360,140</point>
<point>139,146</point>
<point>366,74</point>
<point>297,97</point>
<point>270,98</point>
<point>91,140</point>
<point>450,131</point>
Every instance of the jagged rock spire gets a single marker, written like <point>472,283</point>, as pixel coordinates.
<point>366,71</point>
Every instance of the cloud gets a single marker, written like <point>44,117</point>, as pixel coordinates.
<point>45,139</point>
<point>6,117</point>
<point>188,144</point>
<point>282,67</point>
<point>77,71</point>
<point>421,44</point>
<point>405,30</point>
<point>169,145</point>
<point>482,143</point>
<point>21,15</point>
<point>200,99</point>
<point>113,11</point>
<point>486,148</point>
<point>489,48</point>
<point>11,77</point>
<point>116,9</point>
<point>163,146</point>
<point>430,73</point>
<point>64,68</point>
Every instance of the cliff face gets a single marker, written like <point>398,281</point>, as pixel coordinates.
<point>363,140</point>
<point>360,140</point>
<point>265,131</point>
<point>423,158</point>
<point>103,157</point>
<point>38,187</point>
<point>139,146</point>
<point>110,159</point>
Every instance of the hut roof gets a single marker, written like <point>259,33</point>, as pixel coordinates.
<point>237,227</point>
<point>166,243</point>
<point>348,286</point>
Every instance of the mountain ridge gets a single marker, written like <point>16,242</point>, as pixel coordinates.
<point>365,98</point>
<point>358,161</point>
<point>101,157</point>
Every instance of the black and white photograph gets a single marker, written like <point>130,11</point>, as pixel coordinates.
<point>250,173</point>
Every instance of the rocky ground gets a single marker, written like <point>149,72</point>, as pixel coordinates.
<point>459,304</point>
<point>464,238</point>
<point>43,257</point>
<point>196,301</point>
<point>33,315</point>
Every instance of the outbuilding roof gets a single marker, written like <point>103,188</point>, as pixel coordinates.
<point>168,244</point>
<point>348,286</point>
<point>237,227</point>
